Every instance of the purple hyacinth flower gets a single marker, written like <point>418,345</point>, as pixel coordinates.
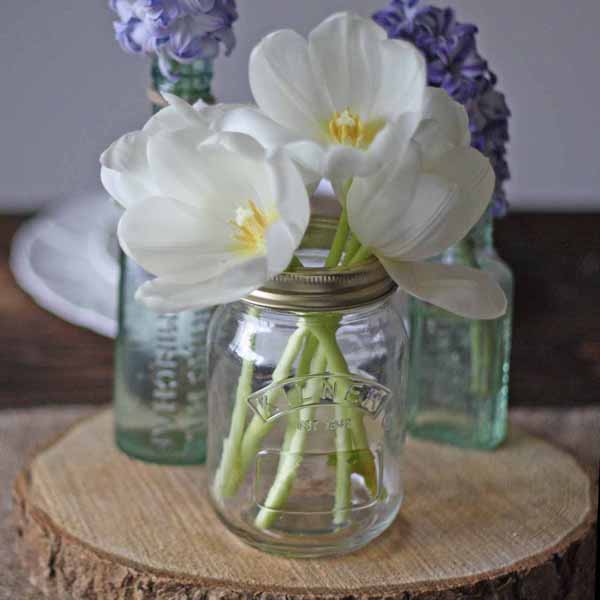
<point>198,6</point>
<point>162,13</point>
<point>179,30</point>
<point>455,65</point>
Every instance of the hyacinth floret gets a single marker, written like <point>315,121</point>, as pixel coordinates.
<point>182,31</point>
<point>455,65</point>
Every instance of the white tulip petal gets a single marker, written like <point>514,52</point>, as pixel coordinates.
<point>293,203</point>
<point>423,216</point>
<point>125,188</point>
<point>169,239</point>
<point>253,122</point>
<point>309,156</point>
<point>377,205</point>
<point>165,296</point>
<point>214,113</point>
<point>192,116</point>
<point>125,169</point>
<point>166,119</point>
<point>125,172</point>
<point>338,95</point>
<point>191,238</point>
<point>345,162</point>
<point>346,49</point>
<point>445,126</point>
<point>271,182</point>
<point>467,183</point>
<point>286,88</point>
<point>406,214</point>
<point>175,161</point>
<point>128,153</point>
<point>239,143</point>
<point>403,80</point>
<point>451,116</point>
<point>469,293</point>
<point>281,245</point>
<point>432,142</point>
<point>392,141</point>
<point>208,176</point>
<point>176,116</point>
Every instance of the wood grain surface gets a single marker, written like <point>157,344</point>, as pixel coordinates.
<point>556,355</point>
<point>21,431</point>
<point>514,524</point>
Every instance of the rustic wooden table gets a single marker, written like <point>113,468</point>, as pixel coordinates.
<point>61,370</point>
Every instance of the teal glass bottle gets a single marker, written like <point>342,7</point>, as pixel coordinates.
<point>160,400</point>
<point>459,369</point>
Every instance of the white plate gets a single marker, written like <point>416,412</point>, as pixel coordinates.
<point>67,258</point>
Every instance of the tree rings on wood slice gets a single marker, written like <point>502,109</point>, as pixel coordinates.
<point>518,523</point>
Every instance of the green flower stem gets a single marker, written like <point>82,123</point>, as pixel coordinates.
<point>321,351</point>
<point>311,345</point>
<point>258,429</point>
<point>343,483</point>
<point>295,263</point>
<point>361,255</point>
<point>339,242</point>
<point>295,439</point>
<point>230,460</point>
<point>343,231</point>
<point>352,247</point>
<point>337,365</point>
<point>343,471</point>
<point>345,437</point>
<point>241,448</point>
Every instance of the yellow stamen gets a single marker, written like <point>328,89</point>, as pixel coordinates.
<point>250,227</point>
<point>347,128</point>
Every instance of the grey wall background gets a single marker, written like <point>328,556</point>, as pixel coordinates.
<point>68,90</point>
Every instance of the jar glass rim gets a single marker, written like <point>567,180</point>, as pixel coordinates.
<point>319,289</point>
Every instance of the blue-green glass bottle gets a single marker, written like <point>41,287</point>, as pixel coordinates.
<point>160,400</point>
<point>459,373</point>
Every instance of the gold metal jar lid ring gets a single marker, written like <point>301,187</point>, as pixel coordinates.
<point>320,289</point>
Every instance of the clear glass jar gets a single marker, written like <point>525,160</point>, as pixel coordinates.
<point>459,372</point>
<point>160,400</point>
<point>307,410</point>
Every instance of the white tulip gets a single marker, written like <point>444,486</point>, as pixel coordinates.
<point>126,180</point>
<point>213,216</point>
<point>125,169</point>
<point>227,217</point>
<point>343,103</point>
<point>420,205</point>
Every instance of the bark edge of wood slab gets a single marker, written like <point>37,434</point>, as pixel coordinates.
<point>106,527</point>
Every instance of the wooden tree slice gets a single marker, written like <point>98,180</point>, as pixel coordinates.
<point>516,524</point>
